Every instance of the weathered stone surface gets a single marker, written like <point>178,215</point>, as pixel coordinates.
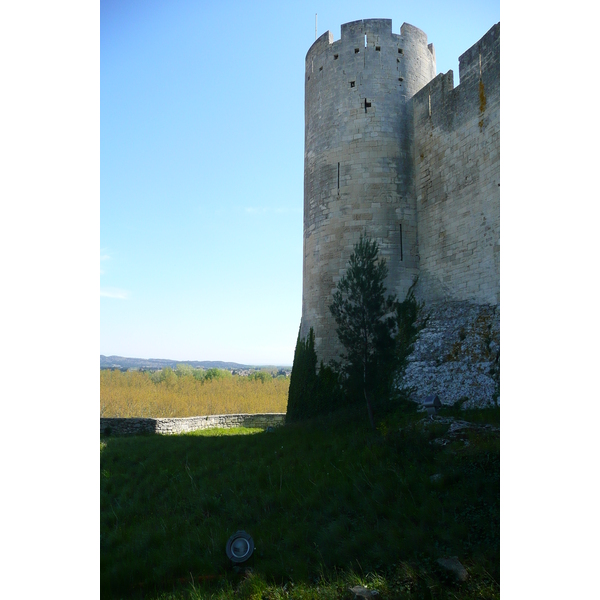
<point>456,355</point>
<point>363,593</point>
<point>167,426</point>
<point>453,565</point>
<point>457,178</point>
<point>458,430</point>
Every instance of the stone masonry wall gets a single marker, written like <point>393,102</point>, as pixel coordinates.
<point>457,355</point>
<point>413,162</point>
<point>457,175</point>
<point>133,426</point>
<point>358,161</point>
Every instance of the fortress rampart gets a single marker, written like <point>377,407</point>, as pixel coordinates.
<point>398,153</point>
<point>457,175</point>
<point>358,162</point>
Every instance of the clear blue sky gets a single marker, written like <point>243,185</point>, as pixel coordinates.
<point>201,166</point>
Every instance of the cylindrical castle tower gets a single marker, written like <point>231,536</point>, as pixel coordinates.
<point>358,163</point>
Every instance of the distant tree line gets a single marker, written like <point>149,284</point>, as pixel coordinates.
<point>200,374</point>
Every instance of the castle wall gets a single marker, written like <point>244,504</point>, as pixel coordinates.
<point>456,355</point>
<point>457,175</point>
<point>168,426</point>
<point>358,162</point>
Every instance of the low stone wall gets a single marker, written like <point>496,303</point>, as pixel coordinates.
<point>456,355</point>
<point>133,426</point>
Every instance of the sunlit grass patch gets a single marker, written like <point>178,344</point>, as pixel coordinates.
<point>220,432</point>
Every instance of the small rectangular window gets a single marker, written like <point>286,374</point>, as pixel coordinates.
<point>378,48</point>
<point>320,68</point>
<point>401,254</point>
<point>400,51</point>
<point>352,83</point>
<point>356,50</point>
<point>338,176</point>
<point>335,56</point>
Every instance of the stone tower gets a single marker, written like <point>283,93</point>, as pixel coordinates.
<point>358,160</point>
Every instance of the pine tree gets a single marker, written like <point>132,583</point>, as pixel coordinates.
<point>366,321</point>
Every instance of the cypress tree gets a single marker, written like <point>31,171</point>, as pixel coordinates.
<point>303,379</point>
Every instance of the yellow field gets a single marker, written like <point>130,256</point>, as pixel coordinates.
<point>134,394</point>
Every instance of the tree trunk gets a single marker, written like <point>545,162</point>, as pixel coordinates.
<point>369,407</point>
<point>370,411</point>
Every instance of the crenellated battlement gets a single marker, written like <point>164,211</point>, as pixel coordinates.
<point>457,172</point>
<point>321,44</point>
<point>443,105</point>
<point>418,36</point>
<point>368,50</point>
<point>397,152</point>
<point>482,56</point>
<point>355,31</point>
<point>368,36</point>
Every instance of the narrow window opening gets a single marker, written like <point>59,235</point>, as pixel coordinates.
<point>356,50</point>
<point>401,254</point>
<point>365,40</point>
<point>335,56</point>
<point>320,68</point>
<point>400,51</point>
<point>338,177</point>
<point>352,83</point>
<point>309,77</point>
<point>378,48</point>
<point>367,105</point>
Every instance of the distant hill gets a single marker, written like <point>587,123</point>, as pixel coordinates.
<point>121,362</point>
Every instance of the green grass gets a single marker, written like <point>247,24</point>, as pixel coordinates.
<point>330,504</point>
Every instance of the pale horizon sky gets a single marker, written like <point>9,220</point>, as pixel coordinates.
<point>201,167</point>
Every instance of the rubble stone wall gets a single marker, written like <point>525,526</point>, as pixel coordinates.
<point>456,355</point>
<point>134,426</point>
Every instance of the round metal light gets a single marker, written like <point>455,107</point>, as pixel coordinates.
<point>239,547</point>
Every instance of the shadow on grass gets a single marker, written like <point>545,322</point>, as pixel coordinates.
<point>317,499</point>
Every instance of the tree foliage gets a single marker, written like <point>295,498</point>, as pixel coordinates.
<point>261,376</point>
<point>215,373</point>
<point>406,321</point>
<point>377,333</point>
<point>366,323</point>
<point>311,392</point>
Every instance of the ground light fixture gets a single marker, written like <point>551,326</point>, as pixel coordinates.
<point>432,404</point>
<point>239,547</point>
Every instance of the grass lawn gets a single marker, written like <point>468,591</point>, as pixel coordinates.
<point>330,504</point>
